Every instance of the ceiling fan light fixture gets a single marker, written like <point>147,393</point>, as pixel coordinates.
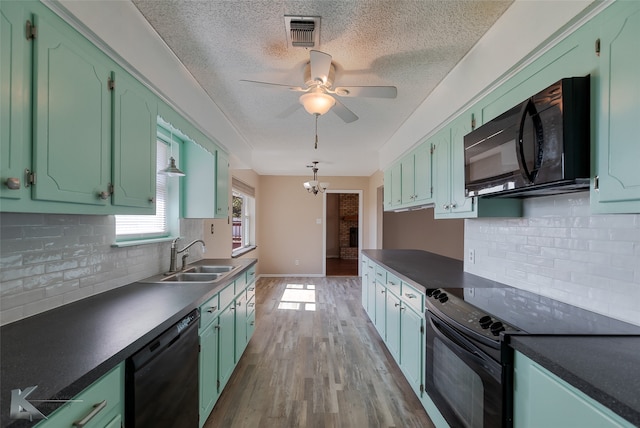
<point>317,102</point>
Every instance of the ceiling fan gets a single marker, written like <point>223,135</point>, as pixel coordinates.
<point>317,99</point>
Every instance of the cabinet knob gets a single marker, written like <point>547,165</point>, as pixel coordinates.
<point>396,305</point>
<point>12,183</point>
<point>445,206</point>
<point>211,309</point>
<point>454,205</point>
<point>152,200</point>
<point>382,291</point>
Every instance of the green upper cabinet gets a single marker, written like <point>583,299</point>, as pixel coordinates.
<point>387,189</point>
<point>416,176</point>
<point>78,132</point>
<point>135,119</point>
<point>15,95</point>
<point>222,185</point>
<point>449,194</point>
<point>72,117</point>
<point>617,94</point>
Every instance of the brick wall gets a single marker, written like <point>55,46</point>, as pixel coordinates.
<point>348,220</point>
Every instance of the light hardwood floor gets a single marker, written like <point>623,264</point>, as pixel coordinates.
<point>320,365</point>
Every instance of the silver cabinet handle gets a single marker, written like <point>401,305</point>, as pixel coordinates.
<point>382,291</point>
<point>397,304</point>
<point>251,288</point>
<point>96,409</point>
<point>402,308</point>
<point>252,323</point>
<point>211,309</point>
<point>411,295</point>
<point>239,304</point>
<point>12,183</point>
<point>217,327</point>
<point>251,305</point>
<point>391,282</point>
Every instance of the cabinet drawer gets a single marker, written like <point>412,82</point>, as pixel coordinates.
<point>227,295</point>
<point>381,275</point>
<point>393,284</point>
<point>251,305</point>
<point>251,324</point>
<point>209,311</point>
<point>251,291</point>
<point>413,297</point>
<point>104,398</point>
<point>251,274</point>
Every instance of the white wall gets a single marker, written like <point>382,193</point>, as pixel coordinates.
<point>559,250</point>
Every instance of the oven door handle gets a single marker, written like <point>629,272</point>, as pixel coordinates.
<point>455,339</point>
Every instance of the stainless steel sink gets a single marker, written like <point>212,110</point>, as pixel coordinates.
<point>211,269</point>
<point>193,277</point>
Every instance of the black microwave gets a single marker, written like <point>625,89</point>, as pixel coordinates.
<point>539,147</point>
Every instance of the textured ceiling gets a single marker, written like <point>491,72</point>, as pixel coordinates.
<point>410,44</point>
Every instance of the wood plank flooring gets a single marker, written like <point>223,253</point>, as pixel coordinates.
<point>318,363</point>
<point>341,267</point>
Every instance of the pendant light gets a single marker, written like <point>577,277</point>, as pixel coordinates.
<point>314,186</point>
<point>171,170</point>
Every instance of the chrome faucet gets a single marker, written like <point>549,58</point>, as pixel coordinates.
<point>175,252</point>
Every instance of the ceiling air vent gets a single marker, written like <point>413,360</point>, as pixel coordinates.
<point>302,31</point>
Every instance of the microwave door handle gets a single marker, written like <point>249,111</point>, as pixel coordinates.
<point>530,111</point>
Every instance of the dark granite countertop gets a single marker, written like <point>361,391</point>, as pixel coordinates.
<point>427,270</point>
<point>66,349</point>
<point>606,368</point>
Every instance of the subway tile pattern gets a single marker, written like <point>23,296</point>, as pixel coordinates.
<point>559,250</point>
<point>48,260</point>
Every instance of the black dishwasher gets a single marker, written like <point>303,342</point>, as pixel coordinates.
<point>162,379</point>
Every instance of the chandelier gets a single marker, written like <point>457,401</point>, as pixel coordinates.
<point>314,186</point>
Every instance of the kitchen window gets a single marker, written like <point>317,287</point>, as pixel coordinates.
<point>243,209</point>
<point>136,229</point>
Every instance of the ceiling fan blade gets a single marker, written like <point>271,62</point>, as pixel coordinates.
<point>367,91</point>
<point>289,111</point>
<point>343,112</point>
<point>276,85</point>
<point>320,65</point>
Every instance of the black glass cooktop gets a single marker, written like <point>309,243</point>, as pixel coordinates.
<point>488,311</point>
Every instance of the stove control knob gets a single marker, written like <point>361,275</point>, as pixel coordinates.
<point>496,328</point>
<point>430,291</point>
<point>443,297</point>
<point>436,293</point>
<point>485,321</point>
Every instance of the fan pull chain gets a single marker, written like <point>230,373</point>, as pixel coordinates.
<point>316,146</point>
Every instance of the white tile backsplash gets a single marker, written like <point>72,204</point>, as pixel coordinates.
<point>559,250</point>
<point>48,260</point>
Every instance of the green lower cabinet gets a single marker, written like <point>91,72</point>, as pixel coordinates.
<point>208,366</point>
<point>380,305</point>
<point>412,347</point>
<point>240,325</point>
<point>226,350</point>
<point>392,328</point>
<point>364,284</point>
<point>542,399</point>
<point>371,291</point>
<point>100,405</point>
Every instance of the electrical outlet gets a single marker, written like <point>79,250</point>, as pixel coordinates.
<point>472,256</point>
<point>297,262</point>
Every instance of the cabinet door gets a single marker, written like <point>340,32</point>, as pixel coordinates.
<point>200,170</point>
<point>541,399</point>
<point>392,328</point>
<point>72,117</point>
<point>240,325</point>
<point>208,370</point>
<point>407,171</point>
<point>371,291</point>
<point>135,119</point>
<point>441,174</point>
<point>618,113</point>
<point>396,184</point>
<point>226,350</point>
<point>387,189</point>
<point>412,346</point>
<point>459,203</point>
<point>365,287</point>
<point>422,186</point>
<point>15,100</point>
<point>222,185</point>
<point>381,302</point>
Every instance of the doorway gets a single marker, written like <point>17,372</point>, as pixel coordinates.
<point>342,232</point>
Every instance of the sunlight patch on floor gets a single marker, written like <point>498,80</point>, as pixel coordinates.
<point>298,297</point>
